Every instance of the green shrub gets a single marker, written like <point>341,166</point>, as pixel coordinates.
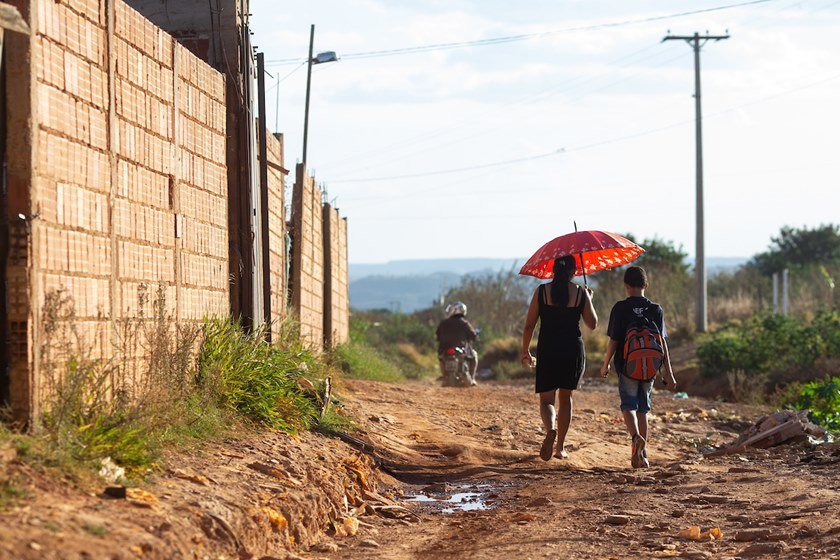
<point>770,343</point>
<point>828,326</point>
<point>822,398</point>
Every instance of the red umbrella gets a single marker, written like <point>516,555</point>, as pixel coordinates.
<point>593,251</point>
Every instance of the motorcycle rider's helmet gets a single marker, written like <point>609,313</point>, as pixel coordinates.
<point>457,308</point>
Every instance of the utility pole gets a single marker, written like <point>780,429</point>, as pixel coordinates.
<point>263,151</point>
<point>308,84</point>
<point>696,42</point>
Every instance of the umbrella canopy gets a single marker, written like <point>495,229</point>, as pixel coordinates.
<point>593,251</point>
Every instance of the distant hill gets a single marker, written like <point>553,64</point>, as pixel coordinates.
<point>400,293</point>
<point>715,265</point>
<point>430,266</point>
<point>410,285</point>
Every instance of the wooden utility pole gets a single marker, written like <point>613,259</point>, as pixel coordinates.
<point>263,151</point>
<point>696,42</point>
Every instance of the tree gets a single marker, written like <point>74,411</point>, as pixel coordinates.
<point>497,301</point>
<point>662,253</point>
<point>800,247</point>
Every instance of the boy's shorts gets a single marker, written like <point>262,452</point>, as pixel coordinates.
<point>635,395</point>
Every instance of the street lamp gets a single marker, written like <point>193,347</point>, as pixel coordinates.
<point>320,58</point>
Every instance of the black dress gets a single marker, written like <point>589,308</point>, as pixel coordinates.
<point>560,355</point>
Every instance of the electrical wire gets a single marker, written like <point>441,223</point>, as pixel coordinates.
<point>500,124</point>
<point>277,82</point>
<point>429,135</point>
<point>492,112</point>
<point>524,36</point>
<point>556,152</point>
<point>350,163</point>
<point>583,147</point>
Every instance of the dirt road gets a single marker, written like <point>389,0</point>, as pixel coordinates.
<point>464,462</point>
<point>488,495</point>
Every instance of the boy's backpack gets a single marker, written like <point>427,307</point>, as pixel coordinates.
<point>643,350</point>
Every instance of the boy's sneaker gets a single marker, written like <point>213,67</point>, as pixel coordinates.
<point>548,445</point>
<point>638,457</point>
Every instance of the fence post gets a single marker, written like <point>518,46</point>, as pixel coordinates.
<point>785,287</point>
<point>775,293</point>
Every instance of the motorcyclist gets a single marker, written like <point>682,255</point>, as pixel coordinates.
<point>455,330</point>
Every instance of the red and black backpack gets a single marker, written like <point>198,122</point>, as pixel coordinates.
<point>643,350</point>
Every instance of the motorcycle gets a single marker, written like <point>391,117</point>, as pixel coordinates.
<point>456,370</point>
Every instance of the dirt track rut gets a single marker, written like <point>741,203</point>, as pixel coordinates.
<point>486,439</point>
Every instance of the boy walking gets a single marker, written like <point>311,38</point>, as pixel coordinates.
<point>637,341</point>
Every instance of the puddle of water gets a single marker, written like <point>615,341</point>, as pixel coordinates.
<point>459,501</point>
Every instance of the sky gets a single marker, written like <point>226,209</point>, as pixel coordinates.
<point>581,121</point>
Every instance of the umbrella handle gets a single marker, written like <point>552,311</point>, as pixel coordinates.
<point>584,270</point>
<point>582,266</point>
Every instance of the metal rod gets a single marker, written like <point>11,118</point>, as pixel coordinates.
<point>582,265</point>
<point>277,107</point>
<point>308,88</point>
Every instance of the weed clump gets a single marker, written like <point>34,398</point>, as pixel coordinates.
<point>163,384</point>
<point>254,379</point>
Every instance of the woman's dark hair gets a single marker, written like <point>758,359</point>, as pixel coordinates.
<point>564,270</point>
<point>635,277</point>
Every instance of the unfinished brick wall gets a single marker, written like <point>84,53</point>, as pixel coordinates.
<point>121,167</point>
<point>277,227</point>
<point>336,299</point>
<point>307,277</point>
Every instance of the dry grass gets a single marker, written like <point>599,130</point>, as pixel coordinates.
<point>420,364</point>
<point>161,386</point>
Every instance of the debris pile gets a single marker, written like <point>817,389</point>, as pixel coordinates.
<point>786,426</point>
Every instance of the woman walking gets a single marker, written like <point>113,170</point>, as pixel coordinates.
<point>561,359</point>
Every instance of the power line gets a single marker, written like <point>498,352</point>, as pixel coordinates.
<point>454,170</point>
<point>500,124</point>
<point>522,36</point>
<point>426,136</point>
<point>283,79</point>
<point>583,147</point>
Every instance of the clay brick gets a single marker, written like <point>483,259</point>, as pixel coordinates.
<point>90,297</point>
<point>203,271</point>
<point>51,22</point>
<point>145,263</point>
<point>205,239</point>
<point>49,63</point>
<point>74,252</point>
<point>80,208</point>
<point>87,8</point>
<point>201,205</point>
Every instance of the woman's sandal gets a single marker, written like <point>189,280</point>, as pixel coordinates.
<point>548,445</point>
